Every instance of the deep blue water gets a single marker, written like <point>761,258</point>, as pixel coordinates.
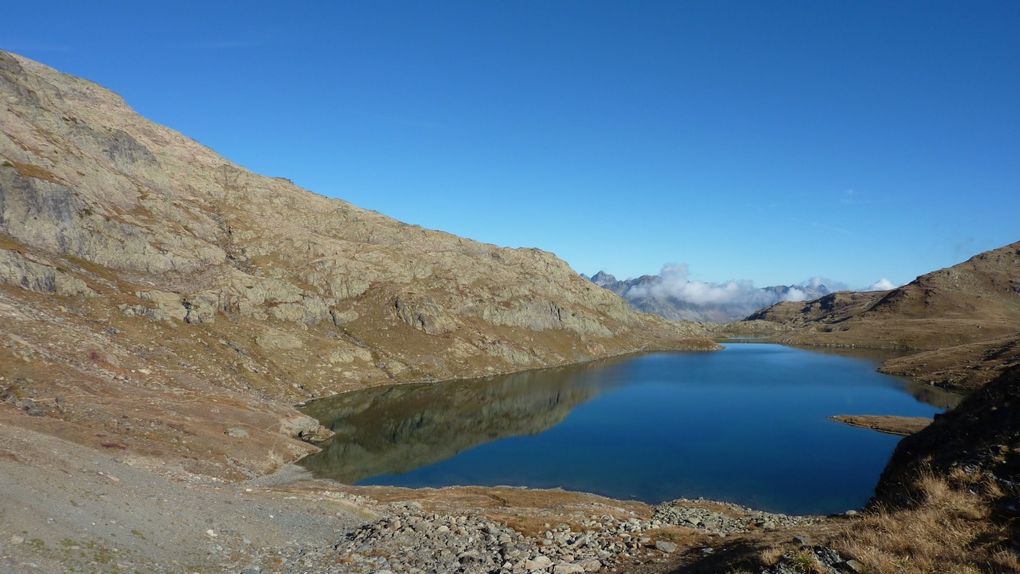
<point>747,425</point>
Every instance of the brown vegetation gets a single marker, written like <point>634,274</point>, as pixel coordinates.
<point>902,426</point>
<point>952,527</point>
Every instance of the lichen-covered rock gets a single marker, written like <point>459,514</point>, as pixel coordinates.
<point>15,269</point>
<point>168,304</point>
<point>424,315</point>
<point>200,308</point>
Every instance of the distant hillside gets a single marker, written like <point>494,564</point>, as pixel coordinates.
<point>965,318</point>
<point>705,302</point>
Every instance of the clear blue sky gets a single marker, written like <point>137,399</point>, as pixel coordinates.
<point>759,140</point>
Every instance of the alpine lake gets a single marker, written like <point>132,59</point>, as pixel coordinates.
<point>748,424</point>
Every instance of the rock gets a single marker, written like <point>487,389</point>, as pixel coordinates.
<point>200,308</point>
<point>15,539</point>
<point>147,312</point>
<point>236,432</point>
<point>319,435</point>
<point>590,565</point>
<point>539,563</point>
<point>424,314</point>
<point>17,269</point>
<point>567,568</point>
<point>666,546</point>
<point>298,425</point>
<point>341,318</point>
<point>854,566</point>
<point>348,355</point>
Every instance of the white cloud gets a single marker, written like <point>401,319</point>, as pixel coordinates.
<point>674,282</point>
<point>795,294</point>
<point>882,284</point>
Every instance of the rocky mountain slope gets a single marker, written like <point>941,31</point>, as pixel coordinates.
<point>139,271</point>
<point>983,432</point>
<point>725,302</point>
<point>960,324</point>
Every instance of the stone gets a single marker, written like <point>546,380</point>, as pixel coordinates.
<point>236,432</point>
<point>666,546</point>
<point>200,308</point>
<point>567,568</point>
<point>855,566</point>
<point>540,562</point>
<point>298,425</point>
<point>17,269</point>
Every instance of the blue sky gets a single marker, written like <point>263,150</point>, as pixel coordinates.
<point>770,141</point>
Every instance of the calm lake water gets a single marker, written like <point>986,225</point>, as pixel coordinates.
<point>747,425</point>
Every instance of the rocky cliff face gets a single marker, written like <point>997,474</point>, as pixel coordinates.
<point>134,245</point>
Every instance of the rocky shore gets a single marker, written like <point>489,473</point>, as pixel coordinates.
<point>410,539</point>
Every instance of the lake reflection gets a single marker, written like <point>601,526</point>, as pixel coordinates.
<point>747,424</point>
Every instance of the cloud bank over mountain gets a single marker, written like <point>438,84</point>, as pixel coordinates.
<point>673,294</point>
<point>882,284</point>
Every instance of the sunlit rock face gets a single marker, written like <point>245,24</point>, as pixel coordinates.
<point>96,200</point>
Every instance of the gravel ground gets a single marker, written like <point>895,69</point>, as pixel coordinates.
<point>65,508</point>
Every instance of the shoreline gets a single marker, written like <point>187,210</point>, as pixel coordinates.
<point>888,424</point>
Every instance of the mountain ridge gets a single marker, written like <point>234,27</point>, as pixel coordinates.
<point>960,324</point>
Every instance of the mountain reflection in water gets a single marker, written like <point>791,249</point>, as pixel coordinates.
<point>395,429</point>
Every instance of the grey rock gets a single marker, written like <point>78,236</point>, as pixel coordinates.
<point>854,566</point>
<point>236,432</point>
<point>666,546</point>
<point>538,563</point>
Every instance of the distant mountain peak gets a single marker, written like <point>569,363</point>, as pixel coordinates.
<point>602,279</point>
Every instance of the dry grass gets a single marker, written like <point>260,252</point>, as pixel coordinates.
<point>771,555</point>
<point>951,530</point>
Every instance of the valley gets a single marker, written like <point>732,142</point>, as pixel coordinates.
<point>169,319</point>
